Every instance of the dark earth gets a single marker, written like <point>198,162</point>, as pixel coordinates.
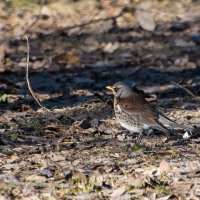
<point>75,149</point>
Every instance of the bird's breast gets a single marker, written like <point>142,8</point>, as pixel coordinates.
<point>131,128</point>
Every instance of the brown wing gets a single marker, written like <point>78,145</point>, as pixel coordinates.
<point>137,105</point>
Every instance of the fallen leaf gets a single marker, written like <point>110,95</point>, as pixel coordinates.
<point>27,190</point>
<point>106,26</point>
<point>2,197</point>
<point>3,47</point>
<point>164,198</point>
<point>145,20</point>
<point>182,186</point>
<point>121,137</point>
<point>46,172</point>
<point>55,157</point>
<point>127,20</point>
<point>111,47</point>
<point>164,167</point>
<point>4,178</point>
<point>67,58</point>
<point>118,192</point>
<point>36,178</point>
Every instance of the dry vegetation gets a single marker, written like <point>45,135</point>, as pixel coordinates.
<point>77,150</point>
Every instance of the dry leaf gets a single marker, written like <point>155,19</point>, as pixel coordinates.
<point>111,47</point>
<point>182,186</point>
<point>90,44</point>
<point>106,26</point>
<point>2,197</point>
<point>36,178</point>
<point>118,192</point>
<point>164,167</point>
<point>55,157</point>
<point>164,198</point>
<point>128,20</point>
<point>27,190</point>
<point>121,137</point>
<point>3,47</point>
<point>39,63</point>
<point>67,58</point>
<point>145,20</point>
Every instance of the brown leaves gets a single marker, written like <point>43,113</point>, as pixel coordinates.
<point>3,47</point>
<point>145,20</point>
<point>67,58</point>
<point>87,162</point>
<point>182,186</point>
<point>144,17</point>
<point>164,167</point>
<point>118,192</point>
<point>80,151</point>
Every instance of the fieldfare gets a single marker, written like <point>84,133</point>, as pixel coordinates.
<point>136,114</point>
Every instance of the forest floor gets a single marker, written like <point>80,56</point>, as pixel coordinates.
<point>77,150</point>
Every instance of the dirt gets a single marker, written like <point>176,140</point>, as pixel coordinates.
<point>77,150</point>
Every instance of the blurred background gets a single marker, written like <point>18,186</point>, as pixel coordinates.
<point>78,47</point>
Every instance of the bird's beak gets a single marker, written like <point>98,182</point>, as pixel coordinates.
<point>109,88</point>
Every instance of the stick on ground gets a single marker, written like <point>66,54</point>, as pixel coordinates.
<point>27,76</point>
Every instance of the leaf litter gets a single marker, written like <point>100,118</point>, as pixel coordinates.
<point>78,151</point>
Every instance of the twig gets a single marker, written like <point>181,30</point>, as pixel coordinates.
<point>42,2</point>
<point>27,77</point>
<point>186,90</point>
<point>94,21</point>
<point>38,184</point>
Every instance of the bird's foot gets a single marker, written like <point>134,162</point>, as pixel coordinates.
<point>149,132</point>
<point>139,138</point>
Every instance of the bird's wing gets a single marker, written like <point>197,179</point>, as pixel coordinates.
<point>137,105</point>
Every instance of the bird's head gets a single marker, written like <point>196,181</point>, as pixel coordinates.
<point>120,90</point>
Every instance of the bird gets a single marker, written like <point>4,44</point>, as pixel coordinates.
<point>136,114</point>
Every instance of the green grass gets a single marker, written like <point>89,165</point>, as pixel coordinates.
<point>20,4</point>
<point>3,98</point>
<point>14,137</point>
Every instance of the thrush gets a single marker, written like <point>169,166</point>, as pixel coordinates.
<point>136,114</point>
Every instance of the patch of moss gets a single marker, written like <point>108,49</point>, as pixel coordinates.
<point>3,97</point>
<point>14,136</point>
<point>21,4</point>
<point>162,189</point>
<point>138,148</point>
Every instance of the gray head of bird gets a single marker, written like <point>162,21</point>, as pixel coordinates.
<point>120,90</point>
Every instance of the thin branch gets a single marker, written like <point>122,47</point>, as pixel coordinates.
<point>42,2</point>
<point>186,90</point>
<point>38,184</point>
<point>27,76</point>
<point>94,21</point>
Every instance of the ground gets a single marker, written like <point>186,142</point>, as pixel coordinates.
<point>76,149</point>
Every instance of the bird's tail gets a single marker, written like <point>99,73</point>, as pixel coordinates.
<point>162,128</point>
<point>170,123</point>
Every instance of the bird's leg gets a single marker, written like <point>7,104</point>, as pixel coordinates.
<point>149,132</point>
<point>123,131</point>
<point>139,138</point>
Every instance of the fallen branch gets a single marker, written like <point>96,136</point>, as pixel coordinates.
<point>186,90</point>
<point>42,2</point>
<point>27,77</point>
<point>94,21</point>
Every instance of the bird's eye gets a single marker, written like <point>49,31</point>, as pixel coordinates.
<point>116,89</point>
